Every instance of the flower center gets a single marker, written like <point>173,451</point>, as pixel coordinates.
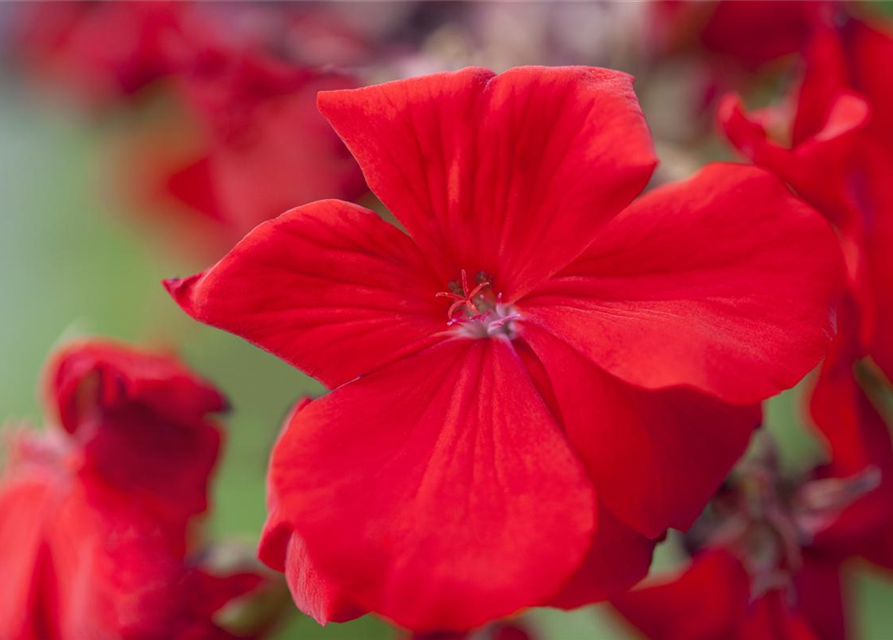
<point>477,310</point>
<point>767,520</point>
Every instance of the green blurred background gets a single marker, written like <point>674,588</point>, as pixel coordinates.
<point>73,263</point>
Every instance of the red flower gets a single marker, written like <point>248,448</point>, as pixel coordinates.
<point>102,51</point>
<point>763,566</point>
<point>529,382</point>
<point>94,511</point>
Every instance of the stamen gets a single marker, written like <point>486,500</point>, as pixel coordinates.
<point>494,326</point>
<point>466,300</point>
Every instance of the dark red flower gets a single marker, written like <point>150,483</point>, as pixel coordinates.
<point>763,566</point>
<point>531,383</point>
<point>95,510</point>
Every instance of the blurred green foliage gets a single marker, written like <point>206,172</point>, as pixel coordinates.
<point>72,263</point>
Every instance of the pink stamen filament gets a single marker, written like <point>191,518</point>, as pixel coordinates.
<point>466,300</point>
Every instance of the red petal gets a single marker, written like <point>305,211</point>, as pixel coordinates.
<point>618,559</point>
<point>116,572</point>
<point>25,504</point>
<point>819,167</point>
<point>283,550</point>
<point>871,49</point>
<point>193,185</point>
<point>655,457</point>
<point>706,602</point>
<point>820,599</point>
<point>724,282</point>
<point>438,491</point>
<point>879,254</point>
<point>328,287</point>
<point>771,617</point>
<point>121,376</point>
<point>510,174</point>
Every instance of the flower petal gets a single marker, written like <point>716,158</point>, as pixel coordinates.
<point>509,174</point>
<point>618,558</point>
<point>655,457</point>
<point>724,282</point>
<point>25,503</point>
<point>283,550</point>
<point>116,572</point>
<point>328,287</point>
<point>707,601</point>
<point>438,491</point>
<point>820,598</point>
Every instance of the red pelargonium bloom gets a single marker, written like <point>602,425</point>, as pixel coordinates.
<point>763,566</point>
<point>94,511</point>
<point>531,382</point>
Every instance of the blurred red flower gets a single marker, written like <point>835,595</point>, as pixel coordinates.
<point>102,52</point>
<point>531,383</point>
<point>95,510</point>
<point>764,564</point>
<point>263,147</point>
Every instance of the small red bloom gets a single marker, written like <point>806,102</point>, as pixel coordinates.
<point>94,512</point>
<point>763,565</point>
<point>531,384</point>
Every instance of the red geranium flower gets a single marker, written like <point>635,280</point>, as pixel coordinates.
<point>764,565</point>
<point>529,382</point>
<point>94,511</point>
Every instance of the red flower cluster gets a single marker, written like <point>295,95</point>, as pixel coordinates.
<point>95,511</point>
<point>540,377</point>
